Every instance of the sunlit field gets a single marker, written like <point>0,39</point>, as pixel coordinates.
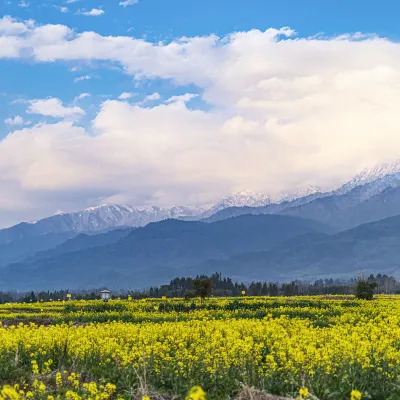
<point>299,347</point>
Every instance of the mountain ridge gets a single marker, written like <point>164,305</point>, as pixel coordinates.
<point>156,252</point>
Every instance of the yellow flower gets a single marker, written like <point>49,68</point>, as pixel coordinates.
<point>35,367</point>
<point>92,388</point>
<point>70,395</point>
<point>110,388</point>
<point>196,393</point>
<point>59,379</point>
<point>9,393</point>
<point>303,392</point>
<point>355,395</point>
<point>42,387</point>
<point>145,397</point>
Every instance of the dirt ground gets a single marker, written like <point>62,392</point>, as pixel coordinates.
<point>245,394</point>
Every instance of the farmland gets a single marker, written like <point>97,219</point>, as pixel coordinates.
<point>336,347</point>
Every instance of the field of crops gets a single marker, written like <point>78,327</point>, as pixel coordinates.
<point>299,347</point>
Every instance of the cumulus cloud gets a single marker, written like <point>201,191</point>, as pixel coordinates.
<point>17,120</point>
<point>281,113</point>
<point>126,95</point>
<point>53,107</point>
<point>152,97</point>
<point>94,12</point>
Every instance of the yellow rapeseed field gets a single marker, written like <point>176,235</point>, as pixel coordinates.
<point>303,347</point>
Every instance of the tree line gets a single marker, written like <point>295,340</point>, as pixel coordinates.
<point>219,286</point>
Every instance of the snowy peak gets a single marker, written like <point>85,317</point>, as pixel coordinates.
<point>245,198</point>
<point>307,191</point>
<point>369,182</point>
<point>385,175</point>
<point>378,171</point>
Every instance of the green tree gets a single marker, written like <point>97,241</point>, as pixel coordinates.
<point>365,290</point>
<point>202,287</point>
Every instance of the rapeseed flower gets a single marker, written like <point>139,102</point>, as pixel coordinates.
<point>196,393</point>
<point>355,395</point>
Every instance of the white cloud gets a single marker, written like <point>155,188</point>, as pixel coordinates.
<point>17,120</point>
<point>82,78</point>
<point>23,4</point>
<point>152,97</point>
<point>81,96</point>
<point>71,1</point>
<point>182,98</point>
<point>10,27</point>
<point>126,95</point>
<point>128,3</point>
<point>53,107</point>
<point>64,9</point>
<point>94,12</point>
<point>282,112</point>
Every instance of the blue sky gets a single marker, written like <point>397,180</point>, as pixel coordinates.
<point>92,87</point>
<point>158,20</point>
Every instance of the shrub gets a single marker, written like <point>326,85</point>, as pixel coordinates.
<point>365,290</point>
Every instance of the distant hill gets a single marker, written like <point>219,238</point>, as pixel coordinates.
<point>349,210</point>
<point>81,242</point>
<point>368,248</point>
<point>27,246</point>
<point>156,253</point>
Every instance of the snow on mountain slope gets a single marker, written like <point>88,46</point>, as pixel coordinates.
<point>140,216</point>
<point>387,174</point>
<point>105,217</point>
<point>374,180</point>
<point>307,191</point>
<point>245,198</point>
<point>371,181</point>
<point>89,220</point>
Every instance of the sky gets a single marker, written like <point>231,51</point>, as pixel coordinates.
<point>181,102</point>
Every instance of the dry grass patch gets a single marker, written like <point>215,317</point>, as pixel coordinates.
<point>253,394</point>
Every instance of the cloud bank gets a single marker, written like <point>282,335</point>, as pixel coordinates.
<point>278,113</point>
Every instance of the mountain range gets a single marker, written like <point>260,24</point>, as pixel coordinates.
<point>155,252</point>
<point>306,235</point>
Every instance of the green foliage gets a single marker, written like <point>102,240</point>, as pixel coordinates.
<point>202,287</point>
<point>365,290</point>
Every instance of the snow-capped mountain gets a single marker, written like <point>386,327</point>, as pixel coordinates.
<point>369,183</point>
<point>143,215</point>
<point>245,198</point>
<point>374,180</point>
<point>306,191</point>
<point>110,216</point>
<point>90,220</point>
<point>388,173</point>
